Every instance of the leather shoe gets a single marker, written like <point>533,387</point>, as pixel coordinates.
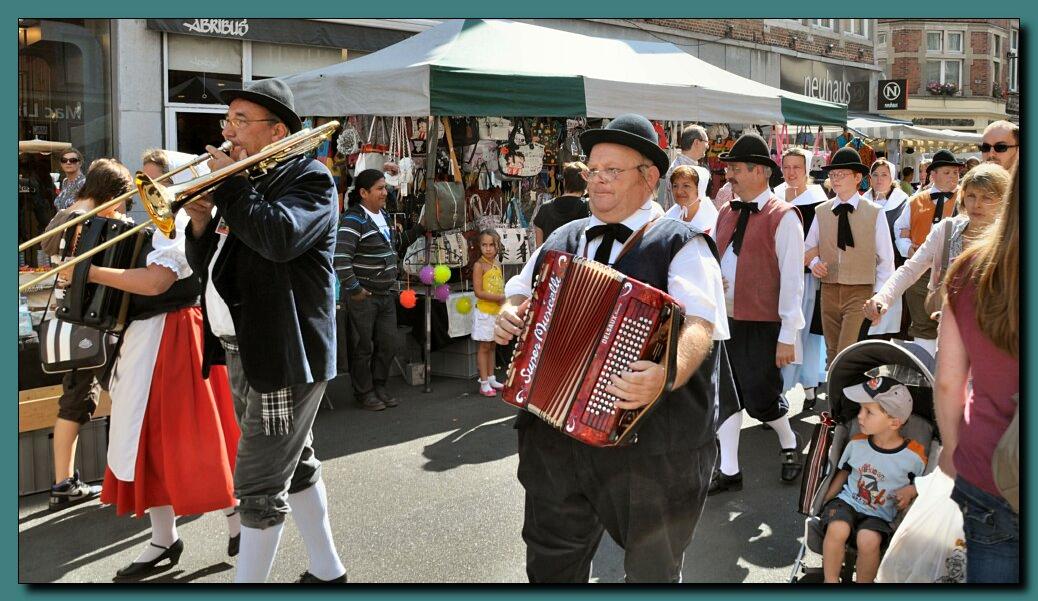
<point>722,482</point>
<point>792,462</point>
<point>371,402</point>
<point>233,545</point>
<point>308,578</point>
<point>143,569</point>
<point>384,396</point>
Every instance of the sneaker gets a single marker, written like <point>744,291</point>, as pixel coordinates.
<point>308,578</point>
<point>384,396</point>
<point>722,482</point>
<point>496,385</point>
<point>487,392</point>
<point>371,402</point>
<point>72,491</point>
<point>792,462</point>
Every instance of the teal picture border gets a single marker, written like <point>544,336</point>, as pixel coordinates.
<point>452,8</point>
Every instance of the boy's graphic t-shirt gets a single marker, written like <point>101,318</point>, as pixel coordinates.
<point>877,473</point>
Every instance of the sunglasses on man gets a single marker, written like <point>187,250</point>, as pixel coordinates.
<point>70,160</point>
<point>999,147</point>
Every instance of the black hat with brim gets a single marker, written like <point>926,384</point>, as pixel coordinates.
<point>273,95</point>
<point>633,131</point>
<point>943,158</point>
<point>847,158</point>
<point>750,148</point>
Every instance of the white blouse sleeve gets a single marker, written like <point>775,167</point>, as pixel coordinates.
<point>170,253</point>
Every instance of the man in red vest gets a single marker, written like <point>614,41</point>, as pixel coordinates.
<point>761,243</point>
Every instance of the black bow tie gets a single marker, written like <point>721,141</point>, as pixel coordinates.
<point>744,208</point>
<point>939,198</point>
<point>609,232</point>
<point>844,237</point>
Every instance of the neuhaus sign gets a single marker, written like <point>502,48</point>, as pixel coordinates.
<point>825,81</point>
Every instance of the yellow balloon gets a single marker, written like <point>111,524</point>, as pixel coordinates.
<point>464,305</point>
<point>441,273</point>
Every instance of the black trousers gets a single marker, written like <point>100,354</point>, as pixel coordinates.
<point>649,504</point>
<point>751,351</point>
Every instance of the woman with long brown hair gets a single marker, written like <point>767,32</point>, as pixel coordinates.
<point>978,384</point>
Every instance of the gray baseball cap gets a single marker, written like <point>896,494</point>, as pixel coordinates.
<point>891,395</point>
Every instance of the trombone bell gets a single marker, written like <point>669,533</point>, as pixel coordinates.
<point>158,202</point>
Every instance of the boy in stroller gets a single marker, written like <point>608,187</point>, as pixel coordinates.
<point>877,470</point>
<point>860,363</point>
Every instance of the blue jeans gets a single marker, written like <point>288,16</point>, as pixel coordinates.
<point>992,535</point>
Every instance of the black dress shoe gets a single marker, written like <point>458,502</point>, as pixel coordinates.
<point>792,462</point>
<point>384,396</point>
<point>308,578</point>
<point>143,569</point>
<point>809,403</point>
<point>233,545</point>
<point>722,482</point>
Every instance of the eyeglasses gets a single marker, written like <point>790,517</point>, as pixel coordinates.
<point>239,123</point>
<point>70,161</point>
<point>606,176</point>
<point>999,147</point>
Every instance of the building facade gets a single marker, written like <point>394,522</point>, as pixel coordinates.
<point>959,73</point>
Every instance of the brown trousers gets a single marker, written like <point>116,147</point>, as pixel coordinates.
<point>842,315</point>
<point>915,297</point>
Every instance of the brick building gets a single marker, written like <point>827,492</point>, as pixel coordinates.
<point>959,72</point>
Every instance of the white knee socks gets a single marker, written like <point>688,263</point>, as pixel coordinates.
<point>728,435</point>
<point>233,521</point>
<point>258,548</point>
<point>787,440</point>
<point>163,532</point>
<point>310,511</point>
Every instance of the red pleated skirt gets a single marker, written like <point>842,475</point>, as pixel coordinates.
<point>189,438</point>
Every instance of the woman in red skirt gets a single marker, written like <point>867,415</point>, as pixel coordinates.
<point>173,435</point>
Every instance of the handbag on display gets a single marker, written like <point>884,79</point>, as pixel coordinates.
<point>494,128</point>
<point>464,131</point>
<point>515,235</point>
<point>820,152</point>
<point>519,157</point>
<point>482,154</point>
<point>444,201</point>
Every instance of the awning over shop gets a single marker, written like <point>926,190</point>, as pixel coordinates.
<point>494,67</point>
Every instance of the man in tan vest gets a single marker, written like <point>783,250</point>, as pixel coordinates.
<point>761,244</point>
<point>849,249</point>
<point>927,207</point>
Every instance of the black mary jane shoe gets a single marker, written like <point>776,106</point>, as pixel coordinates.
<point>233,545</point>
<point>142,569</point>
<point>308,578</point>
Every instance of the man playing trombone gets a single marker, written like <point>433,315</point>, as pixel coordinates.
<point>265,257</point>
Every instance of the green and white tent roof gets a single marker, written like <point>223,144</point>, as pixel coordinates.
<point>482,67</point>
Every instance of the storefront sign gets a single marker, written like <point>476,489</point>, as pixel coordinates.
<point>825,81</point>
<point>306,32</point>
<point>223,27</point>
<point>35,110</point>
<point>893,94</point>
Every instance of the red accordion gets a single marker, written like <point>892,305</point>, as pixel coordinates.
<point>585,323</point>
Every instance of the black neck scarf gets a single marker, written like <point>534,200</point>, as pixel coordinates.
<point>844,237</point>
<point>744,208</point>
<point>609,232</point>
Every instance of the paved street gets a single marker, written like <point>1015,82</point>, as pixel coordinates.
<point>426,492</point>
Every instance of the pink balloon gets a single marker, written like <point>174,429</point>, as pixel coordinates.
<point>442,293</point>
<point>426,274</point>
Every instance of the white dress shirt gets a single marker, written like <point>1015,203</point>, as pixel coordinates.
<point>904,222</point>
<point>884,249</point>
<point>215,307</point>
<point>705,219</point>
<point>694,277</point>
<point>789,248</point>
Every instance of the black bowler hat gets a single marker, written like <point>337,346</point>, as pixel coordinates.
<point>273,95</point>
<point>750,148</point>
<point>943,158</point>
<point>847,158</point>
<point>632,131</point>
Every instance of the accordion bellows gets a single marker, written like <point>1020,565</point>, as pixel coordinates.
<point>587,322</point>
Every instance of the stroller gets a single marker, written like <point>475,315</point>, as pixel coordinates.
<point>906,363</point>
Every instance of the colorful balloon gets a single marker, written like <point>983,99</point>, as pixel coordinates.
<point>426,274</point>
<point>408,299</point>
<point>442,292</point>
<point>464,305</point>
<point>441,274</point>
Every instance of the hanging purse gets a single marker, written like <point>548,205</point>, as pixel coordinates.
<point>519,157</point>
<point>464,131</point>
<point>444,201</point>
<point>515,235</point>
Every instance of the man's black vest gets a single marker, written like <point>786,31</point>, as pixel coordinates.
<point>688,416</point>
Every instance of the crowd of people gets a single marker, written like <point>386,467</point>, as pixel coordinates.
<point>775,281</point>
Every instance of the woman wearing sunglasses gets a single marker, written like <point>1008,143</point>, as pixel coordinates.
<point>72,167</point>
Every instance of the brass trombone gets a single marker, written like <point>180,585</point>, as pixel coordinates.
<point>163,202</point>
<point>225,147</point>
